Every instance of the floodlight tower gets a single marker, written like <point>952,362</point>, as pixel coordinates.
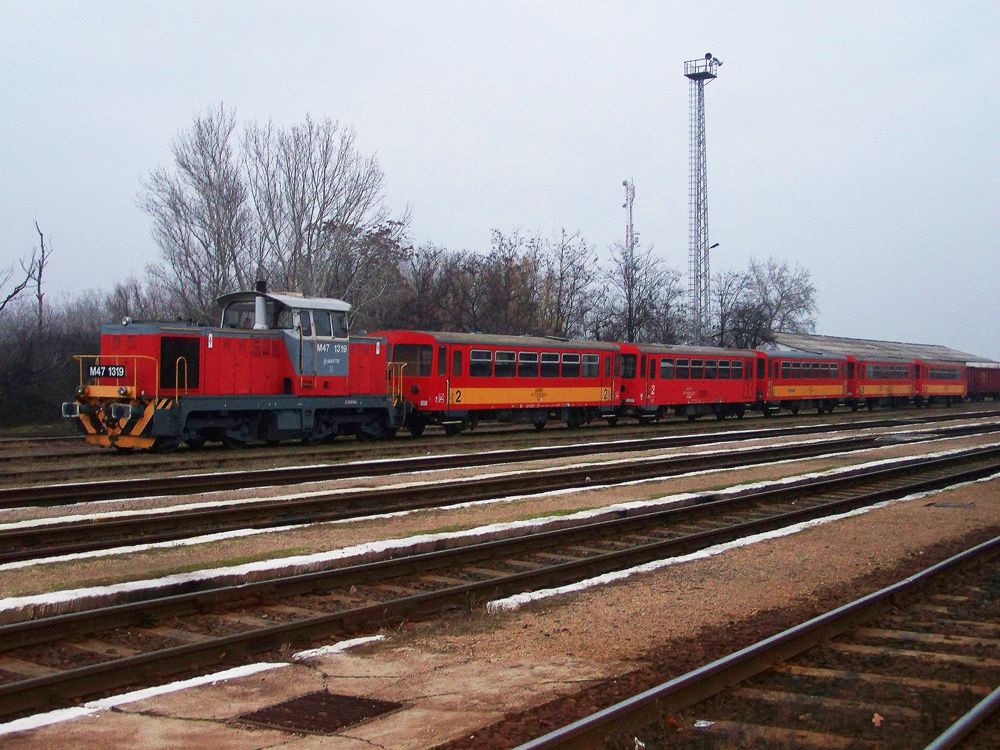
<point>699,72</point>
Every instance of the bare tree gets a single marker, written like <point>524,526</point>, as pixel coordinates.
<point>567,288</point>
<point>320,210</point>
<point>750,307</point>
<point>35,273</point>
<point>201,219</point>
<point>19,285</point>
<point>643,296</point>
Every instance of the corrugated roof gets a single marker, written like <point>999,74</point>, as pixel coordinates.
<point>873,348</point>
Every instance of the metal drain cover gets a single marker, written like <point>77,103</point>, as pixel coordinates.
<point>318,713</point>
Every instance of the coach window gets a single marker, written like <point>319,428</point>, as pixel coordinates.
<point>723,369</point>
<point>629,362</point>
<point>591,365</point>
<point>456,364</point>
<point>642,366</point>
<point>480,363</point>
<point>527,364</point>
<point>416,357</point>
<point>683,369</point>
<point>618,365</point>
<point>697,369</point>
<point>550,365</point>
<point>786,370</point>
<point>442,361</point>
<point>607,366</point>
<point>711,369</point>
<point>571,365</point>
<point>817,371</point>
<point>652,368</point>
<point>505,365</point>
<point>666,369</point>
<point>738,370</point>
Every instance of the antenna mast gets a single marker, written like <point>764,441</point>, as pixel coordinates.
<point>629,230</point>
<point>699,72</point>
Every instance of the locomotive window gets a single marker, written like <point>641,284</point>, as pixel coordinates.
<point>339,321</point>
<point>571,365</point>
<point>786,370</point>
<point>505,365</point>
<point>683,369</point>
<point>666,369</point>
<point>629,362</point>
<point>738,370</point>
<point>723,369</point>
<point>591,365</point>
<point>456,364</point>
<point>652,368</point>
<point>304,325</point>
<point>442,361</point>
<point>697,369</point>
<point>321,318</point>
<point>711,369</point>
<point>285,319</point>
<point>527,365</point>
<point>550,365</point>
<point>416,357</point>
<point>480,363</point>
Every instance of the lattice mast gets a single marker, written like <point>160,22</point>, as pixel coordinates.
<point>699,72</point>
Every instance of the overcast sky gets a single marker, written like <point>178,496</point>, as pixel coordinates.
<point>858,139</point>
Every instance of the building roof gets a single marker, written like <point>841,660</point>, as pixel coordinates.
<point>873,348</point>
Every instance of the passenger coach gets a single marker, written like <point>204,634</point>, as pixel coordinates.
<point>459,379</point>
<point>686,380</point>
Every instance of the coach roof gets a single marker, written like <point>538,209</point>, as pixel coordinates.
<point>514,342</point>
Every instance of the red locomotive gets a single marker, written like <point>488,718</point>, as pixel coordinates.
<point>277,367</point>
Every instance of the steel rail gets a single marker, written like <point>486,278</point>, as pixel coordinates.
<point>36,693</point>
<point>71,537</point>
<point>70,493</point>
<point>40,630</point>
<point>695,686</point>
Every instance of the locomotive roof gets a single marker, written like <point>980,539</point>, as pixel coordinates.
<point>289,300</point>
<point>536,342</point>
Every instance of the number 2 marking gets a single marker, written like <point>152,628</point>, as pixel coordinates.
<point>458,397</point>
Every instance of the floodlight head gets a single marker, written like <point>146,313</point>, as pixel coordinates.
<point>708,55</point>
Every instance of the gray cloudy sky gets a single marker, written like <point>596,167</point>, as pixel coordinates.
<point>859,139</point>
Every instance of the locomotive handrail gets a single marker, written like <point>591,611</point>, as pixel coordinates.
<point>135,369</point>
<point>177,374</point>
<point>396,381</point>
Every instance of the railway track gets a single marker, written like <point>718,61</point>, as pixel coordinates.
<point>71,493</point>
<point>50,662</point>
<point>52,537</point>
<point>26,470</point>
<point>914,665</point>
